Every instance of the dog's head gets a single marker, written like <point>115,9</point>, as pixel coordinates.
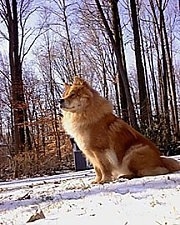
<point>77,96</point>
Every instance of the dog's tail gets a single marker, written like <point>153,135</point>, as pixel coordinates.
<point>171,164</point>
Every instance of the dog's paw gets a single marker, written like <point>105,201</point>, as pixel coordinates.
<point>103,181</point>
<point>96,180</point>
<point>126,177</point>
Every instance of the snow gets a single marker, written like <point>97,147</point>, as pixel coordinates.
<point>70,198</point>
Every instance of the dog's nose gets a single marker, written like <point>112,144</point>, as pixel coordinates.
<point>61,101</point>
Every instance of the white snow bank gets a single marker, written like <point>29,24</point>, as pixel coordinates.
<point>70,198</point>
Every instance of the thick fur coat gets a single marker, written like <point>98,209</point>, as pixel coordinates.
<point>113,147</point>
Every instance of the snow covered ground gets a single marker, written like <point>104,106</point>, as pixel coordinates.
<point>70,198</point>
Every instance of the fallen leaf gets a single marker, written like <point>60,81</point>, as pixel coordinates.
<point>37,216</point>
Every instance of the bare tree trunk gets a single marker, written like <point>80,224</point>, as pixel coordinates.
<point>120,67</point>
<point>1,130</point>
<point>52,85</point>
<point>165,73</point>
<point>17,90</point>
<point>69,38</point>
<point>152,74</point>
<point>119,47</point>
<point>171,80</point>
<point>143,98</point>
<point>159,66</point>
<point>160,26</point>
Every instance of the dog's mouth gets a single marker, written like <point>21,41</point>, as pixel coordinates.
<point>69,109</point>
<point>63,106</point>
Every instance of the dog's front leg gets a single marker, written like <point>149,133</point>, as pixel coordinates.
<point>102,168</point>
<point>101,164</point>
<point>98,177</point>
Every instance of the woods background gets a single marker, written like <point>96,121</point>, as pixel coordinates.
<point>128,50</point>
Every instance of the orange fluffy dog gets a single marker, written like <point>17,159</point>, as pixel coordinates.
<point>113,147</point>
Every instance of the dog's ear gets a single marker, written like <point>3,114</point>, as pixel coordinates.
<point>78,81</point>
<point>66,89</point>
<point>66,86</point>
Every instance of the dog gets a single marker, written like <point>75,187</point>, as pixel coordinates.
<point>114,148</point>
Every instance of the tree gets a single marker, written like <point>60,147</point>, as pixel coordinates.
<point>166,71</point>
<point>15,16</point>
<point>17,89</point>
<point>120,48</point>
<point>143,97</point>
<point>119,58</point>
<point>60,10</point>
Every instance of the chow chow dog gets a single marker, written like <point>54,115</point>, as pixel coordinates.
<point>113,147</point>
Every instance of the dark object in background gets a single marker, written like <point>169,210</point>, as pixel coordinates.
<point>173,149</point>
<point>79,159</point>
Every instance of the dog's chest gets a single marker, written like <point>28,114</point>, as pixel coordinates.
<point>83,139</point>
<point>87,136</point>
<point>81,135</point>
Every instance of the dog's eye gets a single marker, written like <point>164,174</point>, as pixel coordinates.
<point>72,94</point>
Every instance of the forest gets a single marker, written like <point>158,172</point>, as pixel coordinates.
<point>128,50</point>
